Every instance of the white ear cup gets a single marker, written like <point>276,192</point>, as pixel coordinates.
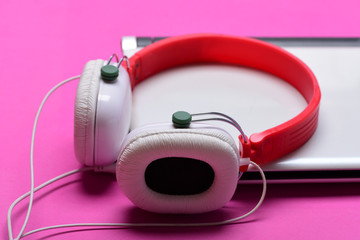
<point>85,107</point>
<point>113,117</point>
<point>102,115</point>
<point>211,145</point>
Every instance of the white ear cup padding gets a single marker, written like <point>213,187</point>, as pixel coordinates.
<point>211,145</point>
<point>85,110</point>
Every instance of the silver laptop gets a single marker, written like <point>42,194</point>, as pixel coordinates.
<point>259,101</point>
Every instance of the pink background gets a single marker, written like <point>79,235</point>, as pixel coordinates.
<point>44,42</point>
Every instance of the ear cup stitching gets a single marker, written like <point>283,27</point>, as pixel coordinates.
<point>88,112</point>
<point>83,114</point>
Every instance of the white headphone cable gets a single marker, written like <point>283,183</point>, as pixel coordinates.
<point>19,199</point>
<point>32,190</point>
<point>32,162</point>
<point>118,225</point>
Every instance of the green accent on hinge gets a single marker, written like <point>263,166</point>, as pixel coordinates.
<point>109,72</point>
<point>181,119</point>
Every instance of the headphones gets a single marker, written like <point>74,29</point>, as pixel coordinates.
<point>183,167</point>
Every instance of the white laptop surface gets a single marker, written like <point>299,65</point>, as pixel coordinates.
<point>259,101</point>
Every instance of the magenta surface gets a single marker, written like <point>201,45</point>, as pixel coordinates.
<point>45,42</point>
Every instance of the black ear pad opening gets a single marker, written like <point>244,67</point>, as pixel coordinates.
<point>179,176</point>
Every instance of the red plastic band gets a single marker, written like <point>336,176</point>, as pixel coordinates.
<point>211,48</point>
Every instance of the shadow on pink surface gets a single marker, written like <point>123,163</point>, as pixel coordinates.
<point>95,185</point>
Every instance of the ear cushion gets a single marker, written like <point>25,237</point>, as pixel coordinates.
<point>211,145</point>
<point>85,110</point>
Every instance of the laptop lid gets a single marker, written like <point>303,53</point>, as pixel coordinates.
<point>265,101</point>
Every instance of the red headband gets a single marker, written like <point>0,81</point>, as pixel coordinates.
<point>265,146</point>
